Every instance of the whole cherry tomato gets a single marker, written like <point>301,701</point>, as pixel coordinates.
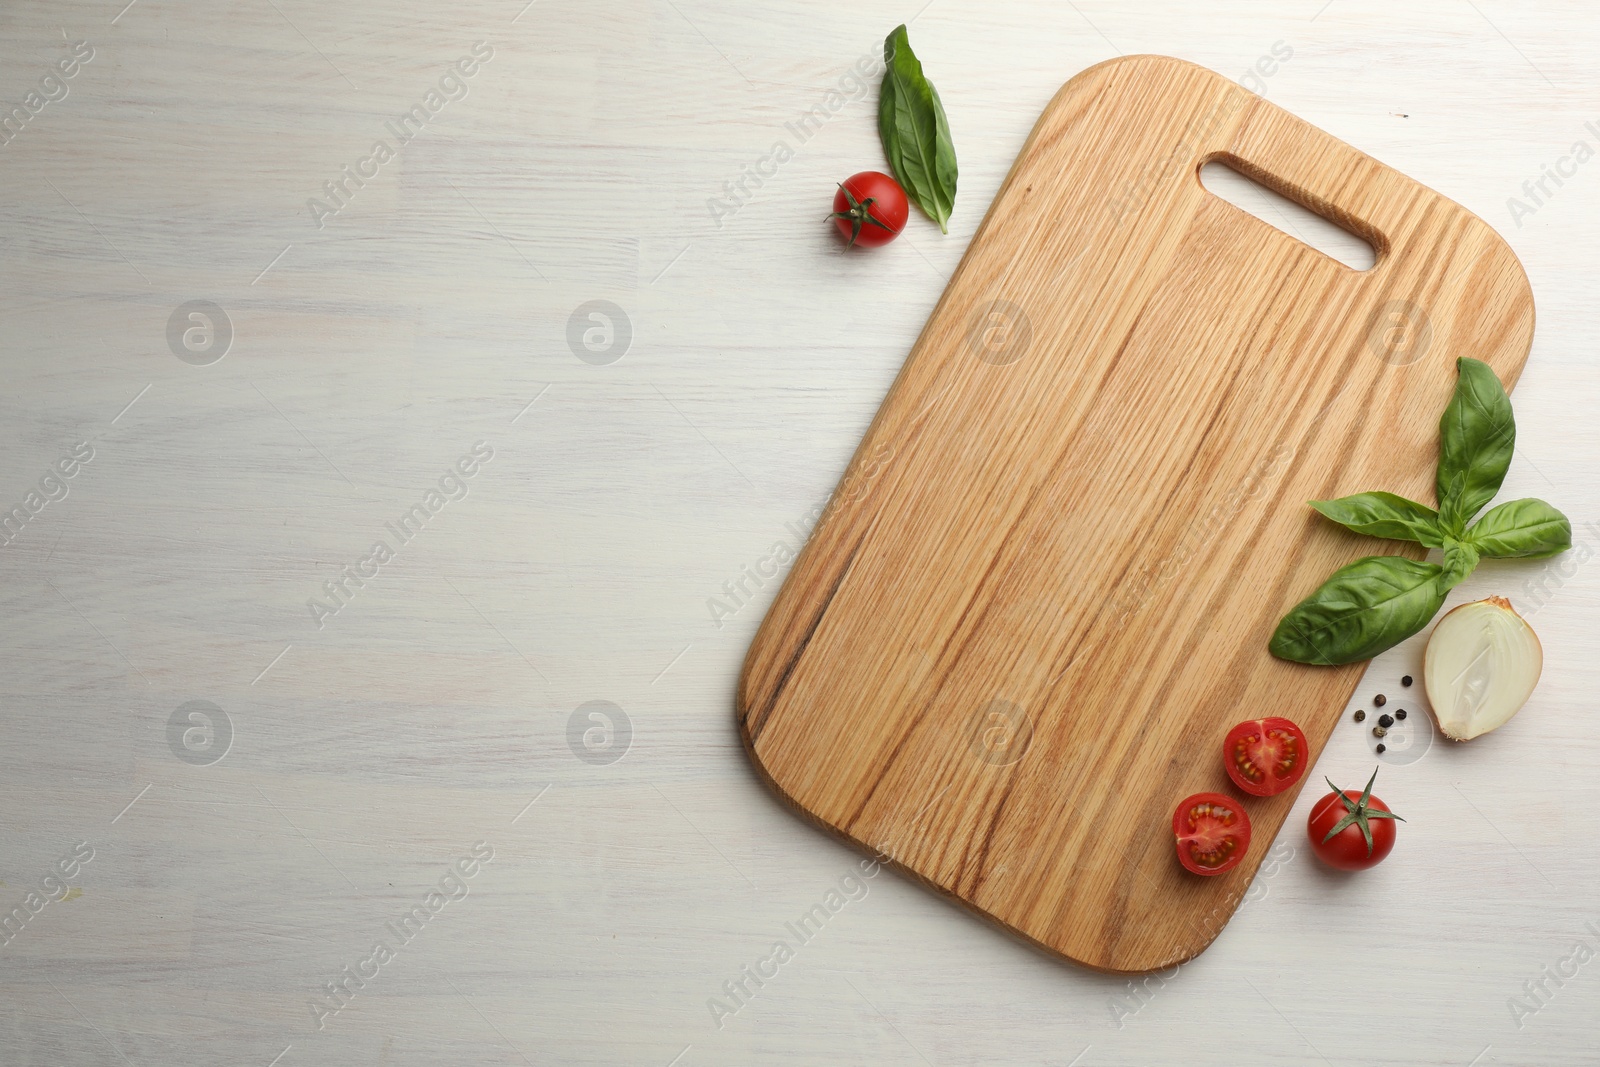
<point>870,209</point>
<point>1351,831</point>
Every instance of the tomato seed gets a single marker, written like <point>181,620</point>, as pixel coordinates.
<point>1381,748</point>
<point>1400,713</point>
<point>1360,715</point>
<point>1379,701</point>
<point>1385,721</point>
<point>1406,680</point>
<point>1378,731</point>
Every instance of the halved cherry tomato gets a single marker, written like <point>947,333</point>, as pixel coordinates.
<point>1265,756</point>
<point>1212,833</point>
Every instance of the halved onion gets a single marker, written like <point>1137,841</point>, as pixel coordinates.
<point>1481,666</point>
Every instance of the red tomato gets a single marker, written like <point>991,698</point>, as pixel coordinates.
<point>870,208</point>
<point>1265,756</point>
<point>1351,831</point>
<point>1212,833</point>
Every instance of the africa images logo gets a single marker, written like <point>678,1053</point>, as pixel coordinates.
<point>452,85</point>
<point>337,993</point>
<point>53,86</point>
<point>52,486</point>
<point>353,577</point>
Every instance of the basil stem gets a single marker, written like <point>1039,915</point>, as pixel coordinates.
<point>1460,557</point>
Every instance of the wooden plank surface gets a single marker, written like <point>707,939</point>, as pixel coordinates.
<point>1021,632</point>
<point>618,511</point>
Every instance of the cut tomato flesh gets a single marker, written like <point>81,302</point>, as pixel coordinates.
<point>1265,756</point>
<point>1212,833</point>
<point>1211,839</point>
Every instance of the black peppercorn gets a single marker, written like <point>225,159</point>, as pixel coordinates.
<point>1378,731</point>
<point>1406,680</point>
<point>1379,701</point>
<point>1400,713</point>
<point>1360,715</point>
<point>1381,748</point>
<point>1385,721</point>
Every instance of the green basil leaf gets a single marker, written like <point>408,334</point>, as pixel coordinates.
<point>1451,518</point>
<point>1385,515</point>
<point>1477,435</point>
<point>1460,557</point>
<point>1361,610</point>
<point>1529,528</point>
<point>916,135</point>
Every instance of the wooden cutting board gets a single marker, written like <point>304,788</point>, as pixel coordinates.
<point>1044,589</point>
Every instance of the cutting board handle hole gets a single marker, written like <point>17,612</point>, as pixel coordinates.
<point>1333,237</point>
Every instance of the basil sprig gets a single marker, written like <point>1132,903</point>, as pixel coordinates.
<point>916,135</point>
<point>1378,601</point>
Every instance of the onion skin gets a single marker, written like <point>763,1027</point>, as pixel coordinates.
<point>1482,663</point>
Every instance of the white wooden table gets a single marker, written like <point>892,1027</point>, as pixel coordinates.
<point>344,767</point>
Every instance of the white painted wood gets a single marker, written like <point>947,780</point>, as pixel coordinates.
<point>369,355</point>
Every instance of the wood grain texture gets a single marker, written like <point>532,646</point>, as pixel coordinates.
<point>1045,588</point>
